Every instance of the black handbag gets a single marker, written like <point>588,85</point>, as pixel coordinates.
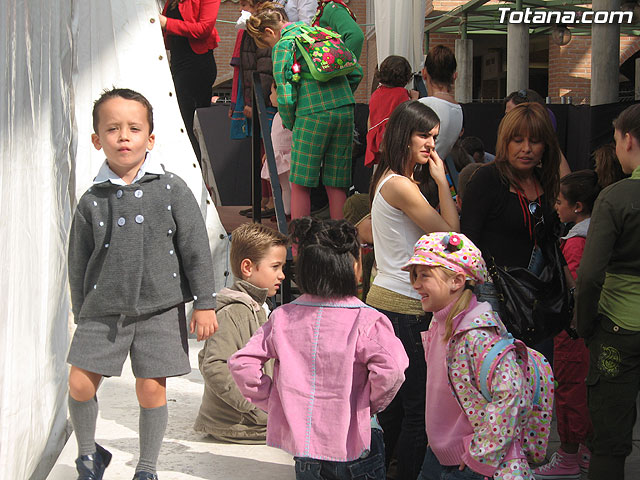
<point>534,307</point>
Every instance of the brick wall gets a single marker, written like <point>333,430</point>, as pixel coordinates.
<point>628,46</point>
<point>372,61</point>
<point>230,11</point>
<point>570,67</point>
<point>570,70</point>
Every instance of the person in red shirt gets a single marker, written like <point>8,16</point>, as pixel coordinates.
<point>578,193</point>
<point>395,72</point>
<point>190,35</point>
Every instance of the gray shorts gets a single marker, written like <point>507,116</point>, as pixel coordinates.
<point>157,343</point>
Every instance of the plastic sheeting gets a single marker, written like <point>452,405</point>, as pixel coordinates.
<point>35,159</point>
<point>395,35</point>
<point>57,57</point>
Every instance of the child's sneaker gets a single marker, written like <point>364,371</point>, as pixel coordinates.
<point>584,457</point>
<point>562,466</point>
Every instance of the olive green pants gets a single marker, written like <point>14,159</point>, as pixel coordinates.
<point>613,382</point>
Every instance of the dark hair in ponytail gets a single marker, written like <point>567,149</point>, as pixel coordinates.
<point>581,186</point>
<point>326,252</point>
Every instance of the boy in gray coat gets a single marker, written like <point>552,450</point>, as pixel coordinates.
<point>138,249</point>
<point>258,254</point>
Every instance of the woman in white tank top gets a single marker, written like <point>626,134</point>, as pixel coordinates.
<point>400,215</point>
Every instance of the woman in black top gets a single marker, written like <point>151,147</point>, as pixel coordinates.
<point>508,205</point>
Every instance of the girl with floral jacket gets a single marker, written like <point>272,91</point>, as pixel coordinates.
<point>469,436</point>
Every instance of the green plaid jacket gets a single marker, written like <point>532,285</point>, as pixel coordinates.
<point>307,96</point>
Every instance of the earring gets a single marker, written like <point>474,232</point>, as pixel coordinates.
<point>575,211</point>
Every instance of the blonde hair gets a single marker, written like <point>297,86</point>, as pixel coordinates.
<point>252,241</point>
<point>460,305</point>
<point>268,15</point>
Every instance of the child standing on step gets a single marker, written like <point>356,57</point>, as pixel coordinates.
<point>319,114</point>
<point>470,436</point>
<point>337,362</point>
<point>138,250</point>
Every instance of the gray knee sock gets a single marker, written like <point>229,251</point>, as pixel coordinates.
<point>83,418</point>
<point>153,423</point>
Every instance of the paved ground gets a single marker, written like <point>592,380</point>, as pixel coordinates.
<point>632,467</point>
<point>189,455</point>
<point>185,453</point>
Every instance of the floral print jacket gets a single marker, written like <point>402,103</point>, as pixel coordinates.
<point>494,449</point>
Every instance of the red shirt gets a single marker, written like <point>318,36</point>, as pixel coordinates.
<point>383,101</point>
<point>198,25</point>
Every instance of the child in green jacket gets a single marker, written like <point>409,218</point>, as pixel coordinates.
<point>320,114</point>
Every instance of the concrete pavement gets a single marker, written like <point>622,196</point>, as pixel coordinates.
<point>185,453</point>
<point>188,455</point>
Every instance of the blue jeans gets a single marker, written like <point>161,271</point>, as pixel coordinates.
<point>432,470</point>
<point>405,436</point>
<point>370,467</point>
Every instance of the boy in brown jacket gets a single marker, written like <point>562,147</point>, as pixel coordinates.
<point>258,254</point>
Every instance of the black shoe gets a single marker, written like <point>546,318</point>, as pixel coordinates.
<point>145,476</point>
<point>91,467</point>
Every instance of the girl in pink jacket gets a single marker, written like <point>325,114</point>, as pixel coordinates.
<point>470,436</point>
<point>338,362</point>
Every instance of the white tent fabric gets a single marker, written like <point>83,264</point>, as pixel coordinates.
<point>36,136</point>
<point>400,30</point>
<point>57,57</point>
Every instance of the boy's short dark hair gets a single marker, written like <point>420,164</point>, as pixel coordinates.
<point>252,241</point>
<point>524,96</point>
<point>395,71</point>
<point>472,145</point>
<point>127,94</point>
<point>465,175</point>
<point>581,186</point>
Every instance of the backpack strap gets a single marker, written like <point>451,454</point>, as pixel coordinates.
<point>490,360</point>
<point>492,357</point>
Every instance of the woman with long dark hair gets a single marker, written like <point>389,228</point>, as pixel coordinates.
<point>400,215</point>
<point>190,35</point>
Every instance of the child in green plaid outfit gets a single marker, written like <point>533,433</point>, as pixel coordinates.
<point>320,114</point>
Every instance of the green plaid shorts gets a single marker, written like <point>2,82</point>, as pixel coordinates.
<point>323,142</point>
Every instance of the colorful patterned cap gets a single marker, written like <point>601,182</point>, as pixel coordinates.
<point>453,251</point>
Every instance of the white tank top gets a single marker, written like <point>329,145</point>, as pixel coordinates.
<point>394,235</point>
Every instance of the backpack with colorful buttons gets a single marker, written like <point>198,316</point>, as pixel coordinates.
<point>324,53</point>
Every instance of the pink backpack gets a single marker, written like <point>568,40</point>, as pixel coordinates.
<point>539,376</point>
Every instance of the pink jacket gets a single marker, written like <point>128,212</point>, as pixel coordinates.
<point>493,447</point>
<point>338,362</point>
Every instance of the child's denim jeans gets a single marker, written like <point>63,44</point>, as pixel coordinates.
<point>432,470</point>
<point>370,467</point>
